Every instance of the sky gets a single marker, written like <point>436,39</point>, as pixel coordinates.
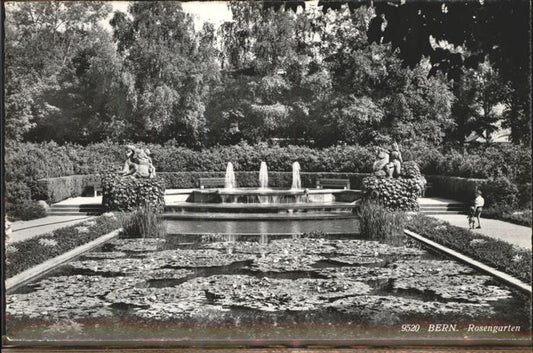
<point>215,12</point>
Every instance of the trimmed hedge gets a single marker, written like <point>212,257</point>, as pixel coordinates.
<point>185,180</point>
<point>28,253</point>
<point>27,162</point>
<point>61,188</point>
<point>128,194</point>
<point>462,189</point>
<point>496,253</point>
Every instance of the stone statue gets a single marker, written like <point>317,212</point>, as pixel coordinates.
<point>395,158</point>
<point>138,163</point>
<point>382,166</point>
<point>389,163</point>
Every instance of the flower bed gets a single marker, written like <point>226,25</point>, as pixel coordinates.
<point>499,254</point>
<point>25,254</point>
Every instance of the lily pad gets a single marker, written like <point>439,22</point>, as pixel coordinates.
<point>359,273</point>
<point>121,265</point>
<point>279,294</point>
<point>68,297</point>
<point>459,287</point>
<point>286,246</point>
<point>197,258</point>
<point>409,268</point>
<point>165,303</point>
<point>104,255</point>
<point>356,260</point>
<point>280,262</point>
<point>372,248</point>
<point>164,273</point>
<point>370,306</point>
<point>138,244</point>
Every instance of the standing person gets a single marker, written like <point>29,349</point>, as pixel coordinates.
<point>479,202</point>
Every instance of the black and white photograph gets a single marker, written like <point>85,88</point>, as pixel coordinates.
<point>267,173</point>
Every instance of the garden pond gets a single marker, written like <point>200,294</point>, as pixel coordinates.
<point>266,288</point>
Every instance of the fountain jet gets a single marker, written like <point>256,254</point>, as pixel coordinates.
<point>229,182</point>
<point>296,180</point>
<point>263,176</point>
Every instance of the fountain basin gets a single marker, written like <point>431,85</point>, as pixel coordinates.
<point>272,196</point>
<point>261,204</point>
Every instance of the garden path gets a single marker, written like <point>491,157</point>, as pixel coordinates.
<point>505,231</point>
<point>22,230</point>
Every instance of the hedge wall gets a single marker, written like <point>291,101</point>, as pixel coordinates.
<point>25,163</point>
<point>456,188</point>
<point>183,180</point>
<point>57,189</point>
<point>61,188</point>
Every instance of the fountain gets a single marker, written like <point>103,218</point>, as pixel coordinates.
<point>296,181</point>
<point>263,176</point>
<point>229,182</point>
<point>264,203</point>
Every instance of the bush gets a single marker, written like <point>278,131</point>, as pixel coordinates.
<point>499,254</point>
<point>25,211</point>
<point>143,223</point>
<point>500,193</point>
<point>128,193</point>
<point>394,194</point>
<point>379,223</point>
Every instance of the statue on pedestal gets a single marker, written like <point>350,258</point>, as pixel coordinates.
<point>389,163</point>
<point>138,163</point>
<point>395,158</point>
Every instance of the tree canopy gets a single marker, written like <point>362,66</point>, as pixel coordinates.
<point>355,72</point>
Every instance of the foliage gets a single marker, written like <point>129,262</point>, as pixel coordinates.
<point>145,222</point>
<point>59,71</point>
<point>129,193</point>
<point>26,210</point>
<point>393,194</point>
<point>378,223</point>
<point>502,255</point>
<point>313,76</point>
<point>472,31</point>
<point>34,251</point>
<point>172,68</point>
<point>500,192</point>
<point>479,106</point>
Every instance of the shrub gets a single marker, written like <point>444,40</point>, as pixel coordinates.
<point>379,223</point>
<point>394,194</point>
<point>499,254</point>
<point>524,195</point>
<point>500,193</point>
<point>27,210</point>
<point>17,191</point>
<point>128,193</point>
<point>143,223</point>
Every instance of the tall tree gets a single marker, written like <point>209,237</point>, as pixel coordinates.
<point>173,69</point>
<point>499,29</point>
<point>42,38</point>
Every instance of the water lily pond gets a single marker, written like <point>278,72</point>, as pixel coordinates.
<point>219,288</point>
